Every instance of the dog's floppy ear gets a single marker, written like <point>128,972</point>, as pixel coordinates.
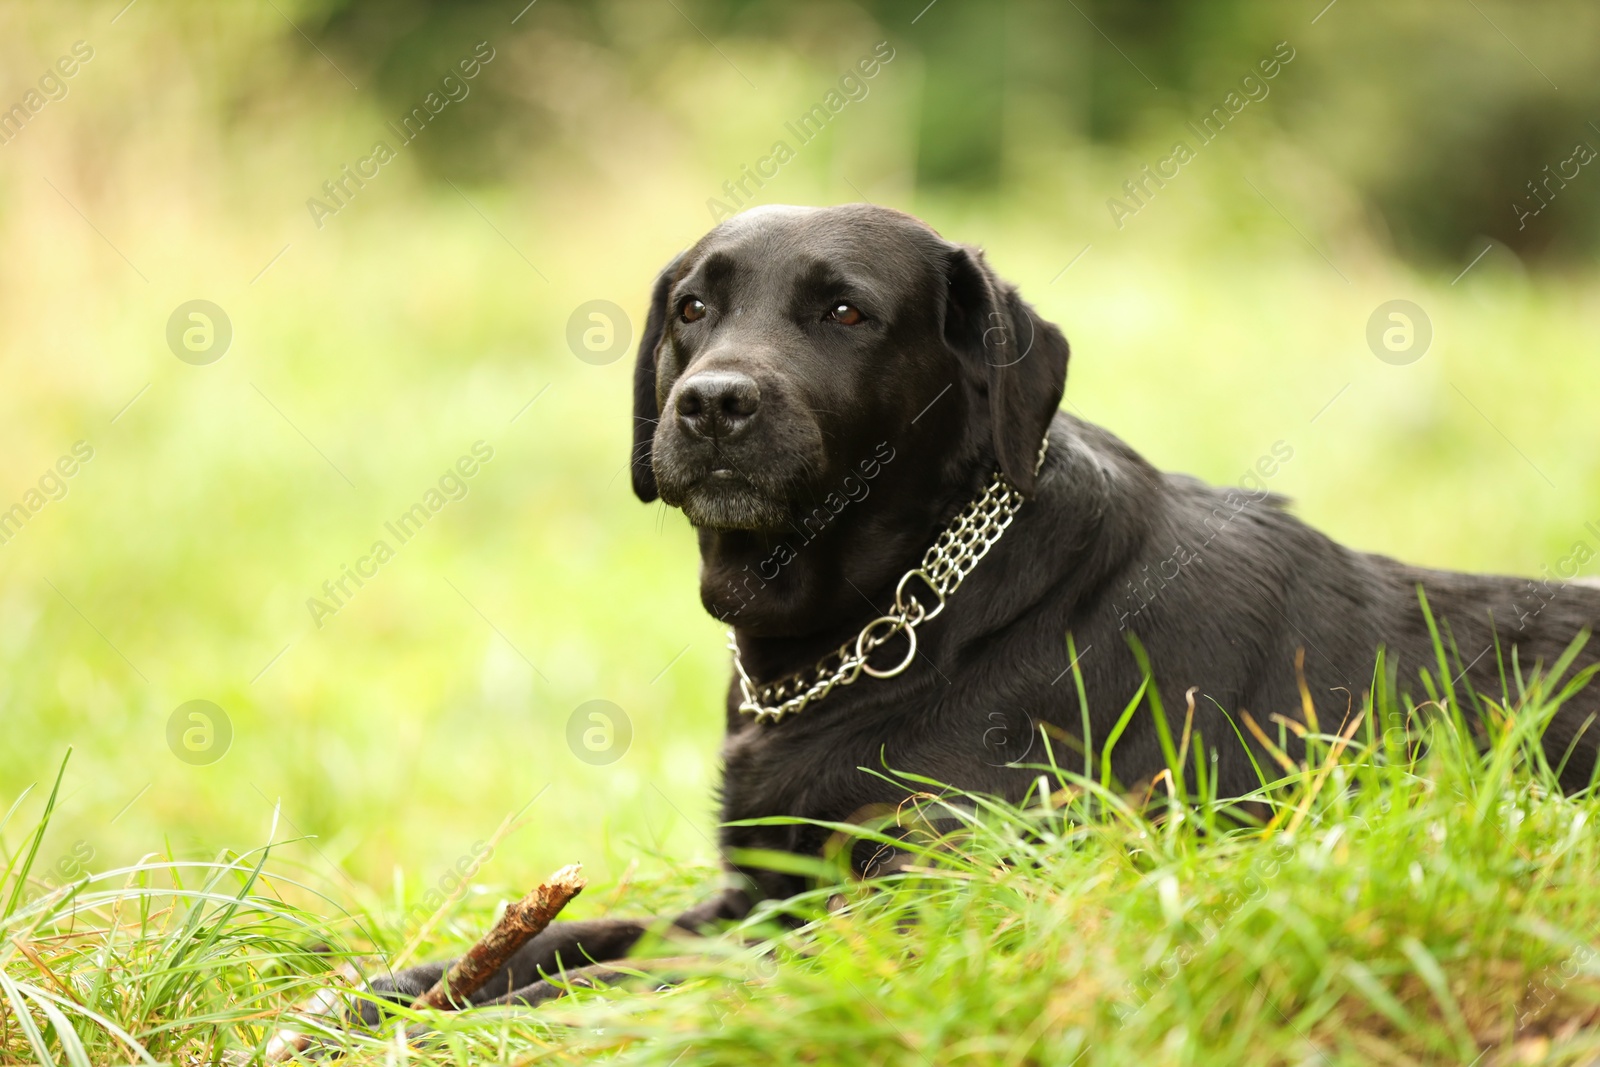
<point>645,414</point>
<point>1023,360</point>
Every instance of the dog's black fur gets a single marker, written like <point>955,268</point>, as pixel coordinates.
<point>818,459</point>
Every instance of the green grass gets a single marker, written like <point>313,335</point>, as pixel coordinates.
<point>1416,891</point>
<point>376,750</point>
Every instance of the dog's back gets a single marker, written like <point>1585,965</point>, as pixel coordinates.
<point>1227,590</point>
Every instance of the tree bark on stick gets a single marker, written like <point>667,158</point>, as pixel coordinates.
<point>522,921</point>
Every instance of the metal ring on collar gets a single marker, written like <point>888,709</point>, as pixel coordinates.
<point>904,606</point>
<point>894,624</point>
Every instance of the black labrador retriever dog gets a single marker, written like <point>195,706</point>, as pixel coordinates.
<point>902,530</point>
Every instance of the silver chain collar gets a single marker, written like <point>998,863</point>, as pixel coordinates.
<point>946,564</point>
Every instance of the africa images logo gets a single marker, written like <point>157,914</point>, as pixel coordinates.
<point>52,87</point>
<point>342,189</point>
<point>1251,89</point>
<point>806,128</point>
<point>452,486</point>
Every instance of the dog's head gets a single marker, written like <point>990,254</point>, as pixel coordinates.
<point>789,342</point>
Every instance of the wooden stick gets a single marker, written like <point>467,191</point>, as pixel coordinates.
<point>522,921</point>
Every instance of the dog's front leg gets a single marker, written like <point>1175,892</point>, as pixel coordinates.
<point>562,947</point>
<point>553,971</point>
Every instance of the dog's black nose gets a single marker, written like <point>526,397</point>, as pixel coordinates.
<point>718,404</point>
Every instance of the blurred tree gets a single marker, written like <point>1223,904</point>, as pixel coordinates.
<point>1440,118</point>
<point>960,139</point>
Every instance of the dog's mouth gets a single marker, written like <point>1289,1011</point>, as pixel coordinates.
<point>725,499</point>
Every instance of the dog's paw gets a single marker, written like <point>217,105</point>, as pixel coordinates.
<point>397,987</point>
<point>348,1001</point>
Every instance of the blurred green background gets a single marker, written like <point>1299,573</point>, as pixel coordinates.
<point>1385,161</point>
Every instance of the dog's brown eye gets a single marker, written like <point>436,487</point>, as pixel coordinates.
<point>845,314</point>
<point>692,310</point>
